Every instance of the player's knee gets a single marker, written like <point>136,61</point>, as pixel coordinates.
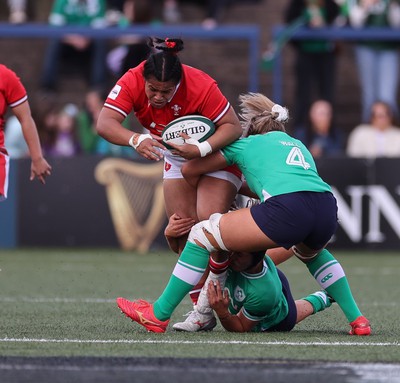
<point>211,227</point>
<point>198,237</point>
<point>304,254</point>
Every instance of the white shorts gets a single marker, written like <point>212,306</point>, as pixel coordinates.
<point>173,165</point>
<point>4,171</point>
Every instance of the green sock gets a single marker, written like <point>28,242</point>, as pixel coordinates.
<point>319,301</point>
<point>330,275</point>
<point>190,267</point>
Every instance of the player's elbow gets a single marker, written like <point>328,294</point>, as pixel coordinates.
<point>104,127</point>
<point>100,127</point>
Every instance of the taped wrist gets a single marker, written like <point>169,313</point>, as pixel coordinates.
<point>137,139</point>
<point>204,147</point>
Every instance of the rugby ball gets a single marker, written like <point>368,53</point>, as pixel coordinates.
<point>195,126</point>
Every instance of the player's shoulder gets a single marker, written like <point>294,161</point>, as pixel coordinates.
<point>8,77</point>
<point>193,74</point>
<point>129,84</point>
<point>5,71</point>
<point>134,74</point>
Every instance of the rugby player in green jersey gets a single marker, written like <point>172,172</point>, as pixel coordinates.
<point>257,297</point>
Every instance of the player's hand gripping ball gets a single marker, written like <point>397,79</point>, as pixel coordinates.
<point>197,127</point>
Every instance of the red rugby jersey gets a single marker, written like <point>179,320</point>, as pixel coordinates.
<point>197,93</point>
<point>12,93</point>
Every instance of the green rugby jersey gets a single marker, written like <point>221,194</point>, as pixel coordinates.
<point>275,163</point>
<point>259,295</point>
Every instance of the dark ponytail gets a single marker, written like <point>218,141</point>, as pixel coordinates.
<point>165,65</point>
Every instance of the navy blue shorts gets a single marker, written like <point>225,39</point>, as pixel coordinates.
<point>289,219</point>
<point>290,321</point>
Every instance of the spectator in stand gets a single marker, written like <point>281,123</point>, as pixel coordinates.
<point>315,65</point>
<point>90,142</point>
<point>87,120</point>
<point>377,61</point>
<point>214,12</point>
<point>46,114</point>
<point>132,50</point>
<point>75,50</point>
<point>171,12</point>
<point>114,11</point>
<point>320,134</point>
<point>215,9</point>
<point>65,141</point>
<point>18,11</point>
<point>379,138</point>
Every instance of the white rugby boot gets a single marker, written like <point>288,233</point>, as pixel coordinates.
<point>203,306</point>
<point>196,321</point>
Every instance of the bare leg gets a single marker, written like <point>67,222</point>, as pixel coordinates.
<point>180,198</point>
<point>279,255</point>
<point>304,310</point>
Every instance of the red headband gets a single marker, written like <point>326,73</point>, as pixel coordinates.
<point>170,44</point>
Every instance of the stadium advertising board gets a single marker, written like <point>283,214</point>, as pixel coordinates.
<point>72,209</point>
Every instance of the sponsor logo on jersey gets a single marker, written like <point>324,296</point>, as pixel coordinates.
<point>115,92</point>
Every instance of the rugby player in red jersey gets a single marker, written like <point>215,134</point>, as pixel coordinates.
<point>158,91</point>
<point>13,95</point>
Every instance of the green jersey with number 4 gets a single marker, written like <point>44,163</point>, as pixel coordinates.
<point>275,163</point>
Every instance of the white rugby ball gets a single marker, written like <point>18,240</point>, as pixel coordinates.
<point>195,126</point>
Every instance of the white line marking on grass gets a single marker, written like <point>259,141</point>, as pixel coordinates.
<point>106,300</point>
<point>166,341</point>
<point>56,300</point>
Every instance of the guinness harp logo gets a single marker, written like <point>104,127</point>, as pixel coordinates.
<point>135,198</point>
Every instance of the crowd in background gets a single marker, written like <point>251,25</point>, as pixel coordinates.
<point>68,129</point>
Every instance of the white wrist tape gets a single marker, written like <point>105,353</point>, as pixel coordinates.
<point>204,147</point>
<point>141,138</point>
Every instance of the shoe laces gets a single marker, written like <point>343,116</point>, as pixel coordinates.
<point>193,314</point>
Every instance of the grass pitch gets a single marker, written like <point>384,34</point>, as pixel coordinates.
<point>62,303</point>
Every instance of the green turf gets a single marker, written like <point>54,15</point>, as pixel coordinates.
<point>62,303</point>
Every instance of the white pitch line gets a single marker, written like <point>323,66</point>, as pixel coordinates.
<point>56,300</point>
<point>165,341</point>
<point>107,300</point>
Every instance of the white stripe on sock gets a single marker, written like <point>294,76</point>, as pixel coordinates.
<point>187,275</point>
<point>321,295</point>
<point>330,275</point>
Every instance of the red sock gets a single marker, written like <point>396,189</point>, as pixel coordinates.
<point>218,267</point>
<point>195,292</point>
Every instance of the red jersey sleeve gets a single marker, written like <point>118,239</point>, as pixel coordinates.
<point>202,95</point>
<point>215,104</point>
<point>127,92</point>
<point>12,92</point>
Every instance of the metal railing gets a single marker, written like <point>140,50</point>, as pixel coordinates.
<point>249,33</point>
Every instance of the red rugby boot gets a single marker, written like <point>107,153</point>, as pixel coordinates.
<point>141,312</point>
<point>360,326</point>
